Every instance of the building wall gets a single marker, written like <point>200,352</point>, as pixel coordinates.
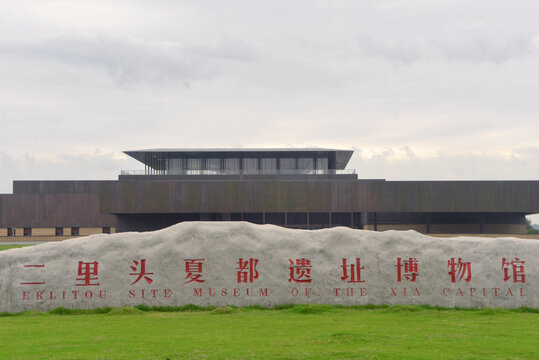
<point>450,196</point>
<point>52,210</point>
<point>49,204</point>
<point>48,234</point>
<point>455,228</point>
<point>505,228</point>
<point>421,228</point>
<point>57,187</point>
<point>147,203</point>
<point>206,197</point>
<point>44,232</point>
<point>319,196</point>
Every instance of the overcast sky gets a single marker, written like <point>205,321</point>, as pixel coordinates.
<point>420,89</point>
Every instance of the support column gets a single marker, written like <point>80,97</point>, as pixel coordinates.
<point>482,224</point>
<point>363,219</point>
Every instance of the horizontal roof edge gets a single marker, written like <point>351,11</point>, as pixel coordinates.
<point>342,156</point>
<point>235,150</point>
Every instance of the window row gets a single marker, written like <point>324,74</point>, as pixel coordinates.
<point>58,231</point>
<point>231,165</point>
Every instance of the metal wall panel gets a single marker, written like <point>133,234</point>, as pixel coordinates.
<point>57,186</point>
<point>236,196</point>
<point>453,196</point>
<point>52,210</point>
<point>89,203</point>
<point>319,196</point>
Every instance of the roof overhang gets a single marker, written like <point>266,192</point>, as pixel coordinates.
<point>341,156</point>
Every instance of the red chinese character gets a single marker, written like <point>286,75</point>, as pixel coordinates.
<point>301,271</point>
<point>88,273</point>
<point>33,282</point>
<point>410,269</point>
<point>459,268</point>
<point>517,266</point>
<point>247,270</point>
<point>193,269</point>
<point>142,273</point>
<point>355,271</point>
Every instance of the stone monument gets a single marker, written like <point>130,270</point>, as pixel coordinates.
<point>238,263</point>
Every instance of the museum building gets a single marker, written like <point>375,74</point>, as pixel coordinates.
<point>294,188</point>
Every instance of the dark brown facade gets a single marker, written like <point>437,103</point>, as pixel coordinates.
<point>300,199</point>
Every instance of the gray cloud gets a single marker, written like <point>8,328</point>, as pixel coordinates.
<point>494,50</point>
<point>405,164</point>
<point>29,166</point>
<point>399,52</point>
<point>133,60</point>
<point>228,49</point>
<point>474,48</point>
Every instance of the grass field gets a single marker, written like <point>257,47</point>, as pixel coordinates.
<point>299,332</point>
<point>5,247</point>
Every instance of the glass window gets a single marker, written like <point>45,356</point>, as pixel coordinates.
<point>287,164</point>
<point>322,164</point>
<point>59,231</point>
<point>27,231</point>
<point>75,231</point>
<point>213,165</point>
<point>194,164</point>
<point>250,165</point>
<point>106,229</point>
<point>268,165</point>
<point>174,166</point>
<point>305,164</point>
<point>232,166</point>
<point>10,231</point>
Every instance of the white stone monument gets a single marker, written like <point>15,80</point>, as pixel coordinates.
<point>237,263</point>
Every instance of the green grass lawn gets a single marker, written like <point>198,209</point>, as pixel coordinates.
<point>5,247</point>
<point>300,332</point>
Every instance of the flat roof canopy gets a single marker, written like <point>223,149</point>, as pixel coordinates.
<point>151,157</point>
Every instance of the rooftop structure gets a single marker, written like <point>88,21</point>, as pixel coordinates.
<point>240,161</point>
